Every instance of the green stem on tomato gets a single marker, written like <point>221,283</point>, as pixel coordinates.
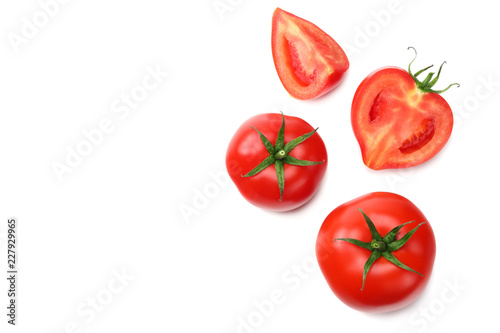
<point>378,245</point>
<point>382,246</point>
<point>279,155</point>
<point>428,82</point>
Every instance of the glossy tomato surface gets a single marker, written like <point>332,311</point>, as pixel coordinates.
<point>396,124</point>
<point>308,61</point>
<point>246,151</point>
<point>387,286</point>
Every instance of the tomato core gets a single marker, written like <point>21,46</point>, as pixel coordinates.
<point>299,61</point>
<point>420,137</point>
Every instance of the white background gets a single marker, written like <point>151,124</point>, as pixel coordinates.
<point>118,210</point>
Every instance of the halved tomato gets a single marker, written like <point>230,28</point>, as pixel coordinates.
<point>398,120</point>
<point>308,61</point>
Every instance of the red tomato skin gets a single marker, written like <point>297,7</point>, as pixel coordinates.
<point>387,287</point>
<point>327,79</point>
<point>246,151</point>
<point>384,154</point>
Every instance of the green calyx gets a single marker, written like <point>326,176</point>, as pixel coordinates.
<point>279,155</point>
<point>427,84</point>
<point>382,246</point>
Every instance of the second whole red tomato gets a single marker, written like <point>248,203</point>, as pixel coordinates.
<point>376,252</point>
<point>277,162</point>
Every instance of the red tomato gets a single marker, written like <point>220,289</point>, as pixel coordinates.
<point>273,166</point>
<point>308,61</point>
<point>399,121</point>
<point>388,284</point>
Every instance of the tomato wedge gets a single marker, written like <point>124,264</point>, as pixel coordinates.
<point>308,61</point>
<point>398,120</point>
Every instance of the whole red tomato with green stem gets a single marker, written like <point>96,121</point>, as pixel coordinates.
<point>376,252</point>
<point>398,120</point>
<point>277,162</point>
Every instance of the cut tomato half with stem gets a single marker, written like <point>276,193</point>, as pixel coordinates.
<point>398,120</point>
